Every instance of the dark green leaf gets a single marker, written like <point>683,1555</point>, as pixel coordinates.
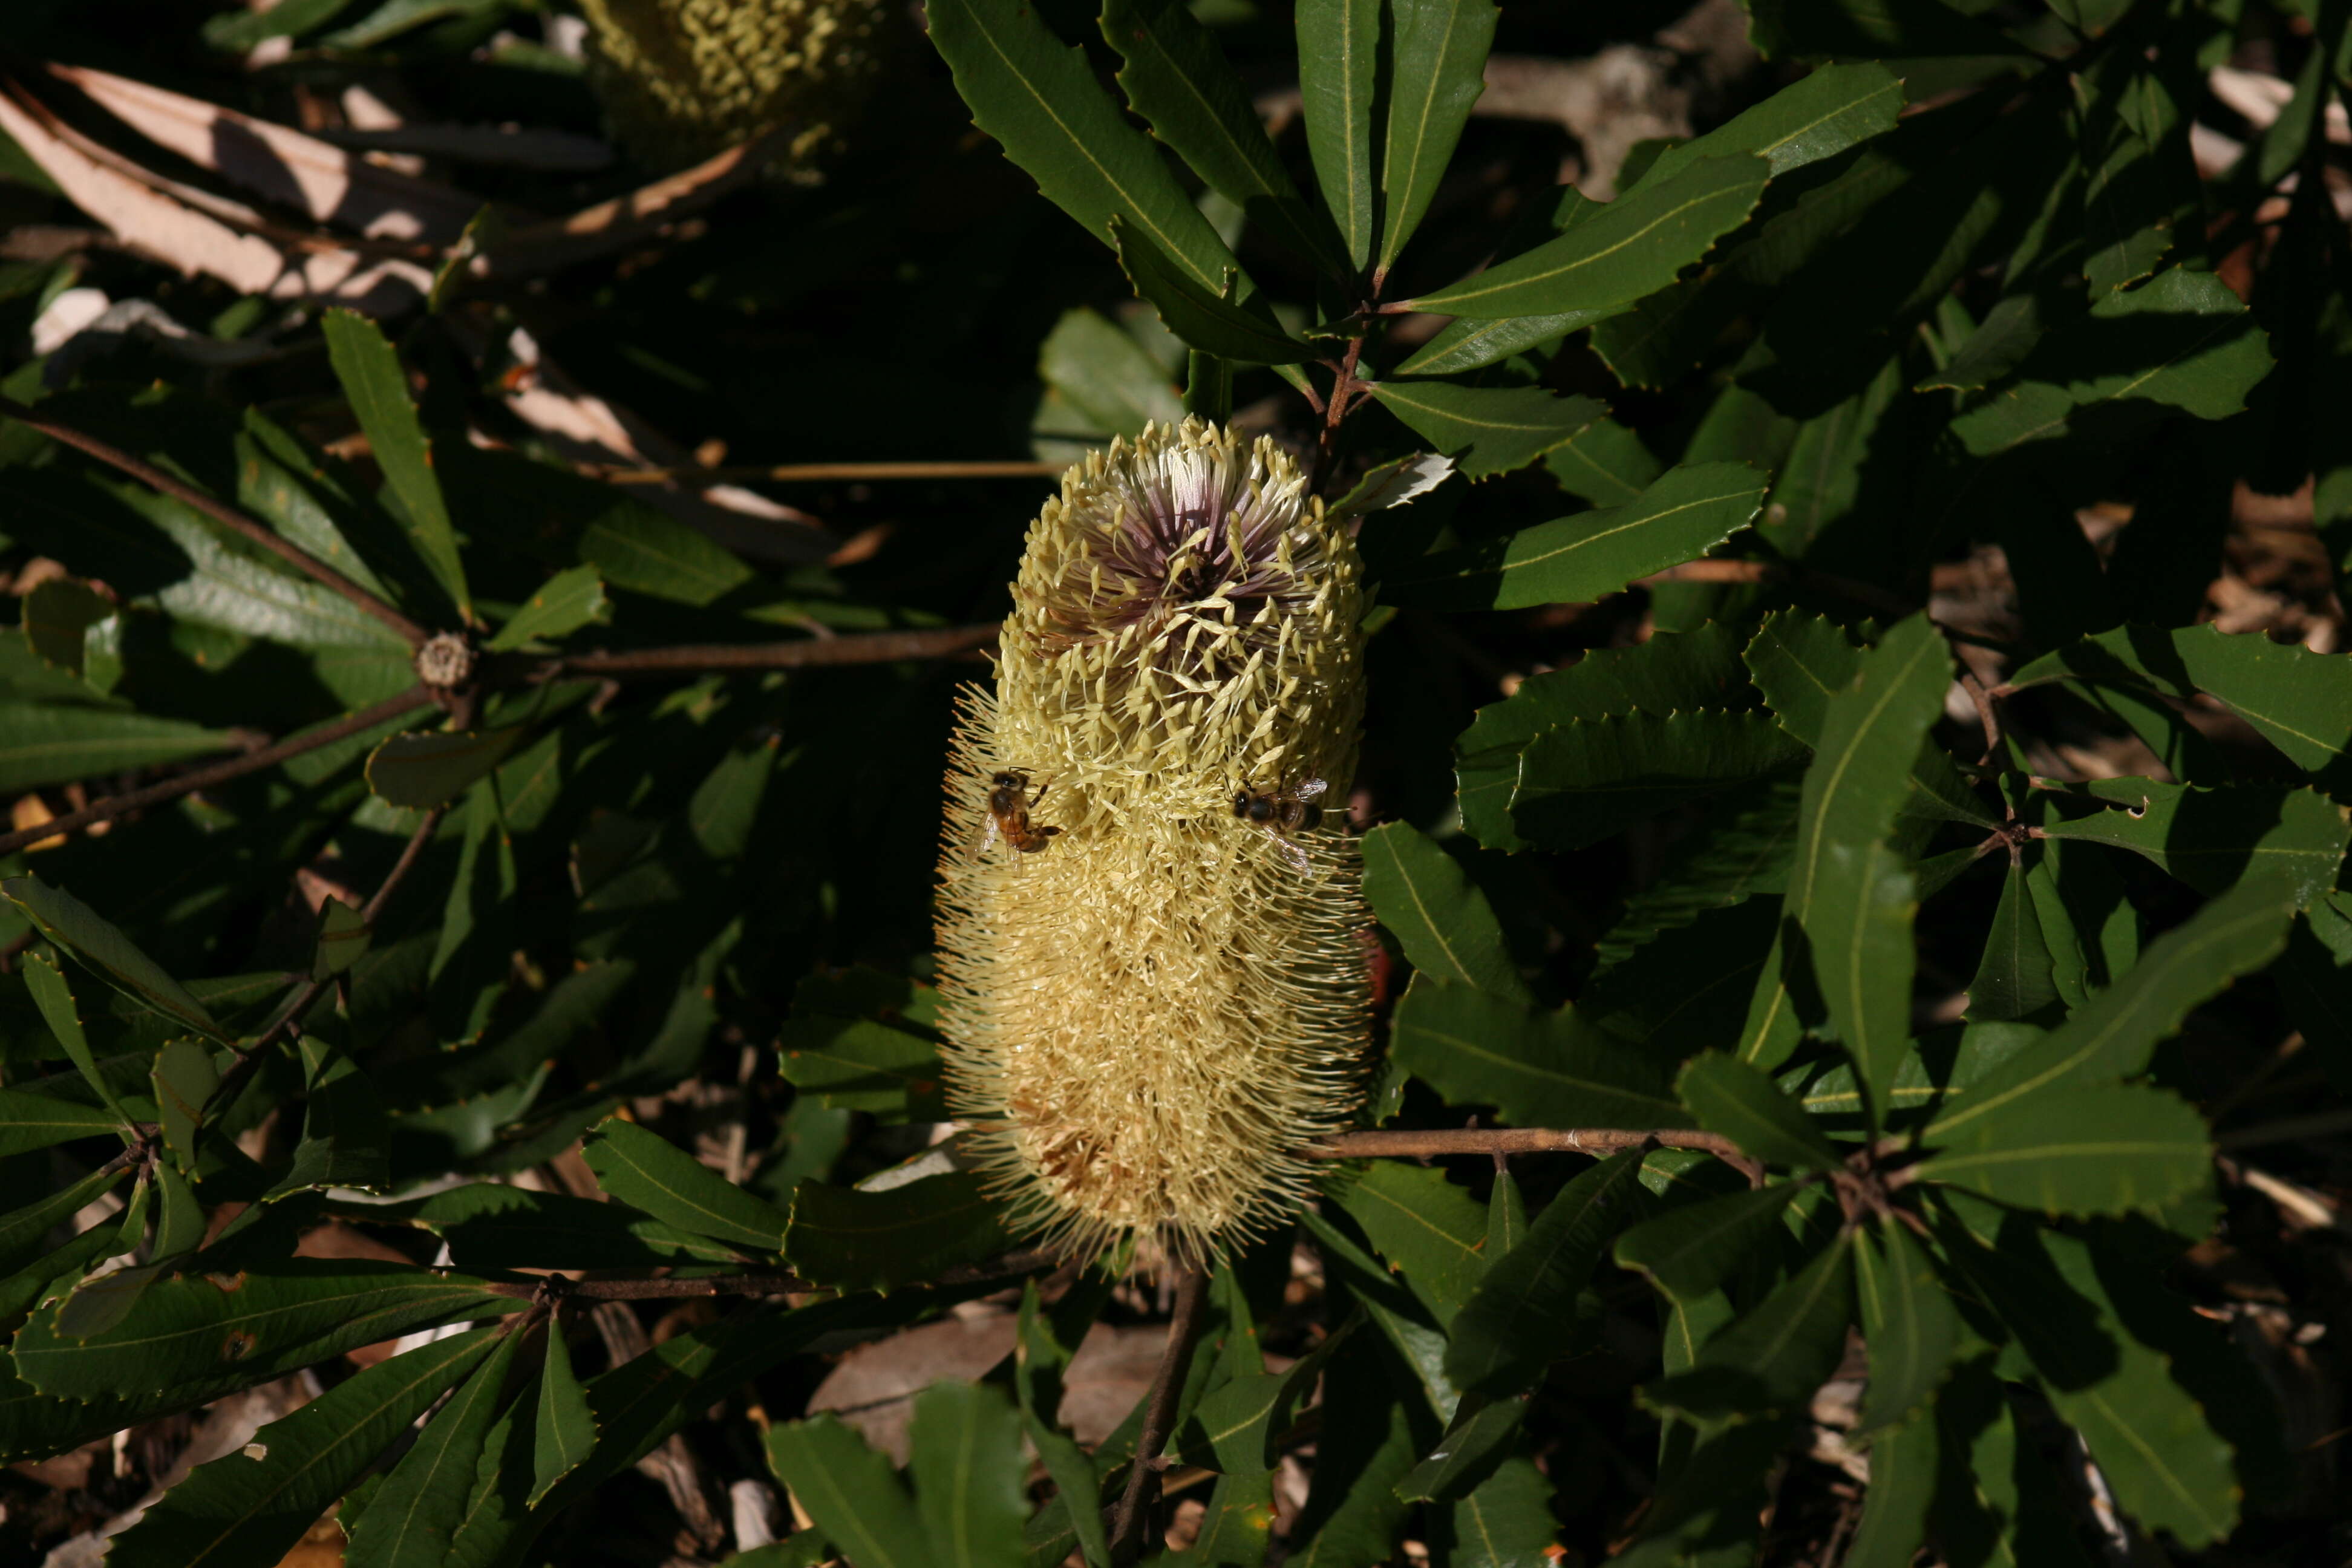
<point>1338,51</point>
<point>1436,57</point>
<point>563,603</point>
<point>646,1171</point>
<point>1582,782</point>
<point>106,952</point>
<point>1739,852</point>
<point>1508,1330</point>
<point>1776,1356</point>
<point>204,1334</point>
<point>378,390</point>
<point>1538,1068</point>
<point>1107,377</point>
<point>858,1239</point>
<point>1486,430</point>
<point>1046,1344</point>
<point>421,771</point>
<point>30,1121</point>
<point>1468,1453</point>
<point>48,744</point>
<point>410,1519</point>
<point>57,615</point>
<point>642,550</point>
<point>1684,513</point>
<point>2106,1149</point>
<point>1633,247</point>
<point>346,1137</point>
<point>1424,1226</point>
<point>1848,890</point>
<point>1907,1317</point>
<point>566,1431</point>
<point>185,1079</point>
<point>1197,313</point>
<point>2015,978</point>
<point>1040,99</point>
<point>1506,1521</point>
<point>1690,1250</point>
<point>343,940</point>
<point>252,1505</point>
<point>53,995</point>
<point>1180,81</point>
<point>849,1490</point>
<point>1830,110</point>
<point>2110,1037</point>
<point>1605,463</point>
<point>1903,1481</point>
<point>965,1448</point>
<point>2209,839</point>
<point>23,1232</point>
<point>1730,1096</point>
<point>856,1064</point>
<point>1812,28</point>
<point>1234,1427</point>
<point>1437,913</point>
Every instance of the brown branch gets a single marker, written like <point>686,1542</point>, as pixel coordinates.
<point>227,516</point>
<point>786,473</point>
<point>752,1282</point>
<point>1160,1414</point>
<point>1500,1140</point>
<point>861,647</point>
<point>172,788</point>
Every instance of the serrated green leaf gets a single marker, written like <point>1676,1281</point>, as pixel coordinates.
<point>249,1507</point>
<point>1605,463</point>
<point>421,771</point>
<point>185,1079</point>
<point>53,996</point>
<point>857,1064</point>
<point>1538,1068</point>
<point>1505,1522</point>
<point>850,1492</point>
<point>1730,1096</point>
<point>2111,1149</point>
<point>1177,78</point>
<point>565,1430</point>
<point>1690,1250</point>
<point>1582,782</point>
<point>2211,838</point>
<point>1778,1354</point>
<point>1041,100</point>
<point>1741,851</point>
<point>1437,913</point>
<point>1686,512</point>
<point>2111,1035</point>
<point>642,550</point>
<point>1633,248</point>
<point>1908,1319</point>
<point>1903,1486</point>
<point>1235,1427</point>
<point>377,387</point>
<point>105,952</point>
<point>1486,430</point>
<point>203,1335</point>
<point>48,742</point>
<point>412,1516</point>
<point>881,1240</point>
<point>564,603</point>
<point>1469,1452</point>
<point>648,1172</point>
<point>30,1121</point>
<point>1830,109</point>
<point>964,1444</point>
<point>1199,315</point>
<point>1425,1227</point>
<point>1508,1331</point>
<point>1848,890</point>
<point>1436,57</point>
<point>1338,50</point>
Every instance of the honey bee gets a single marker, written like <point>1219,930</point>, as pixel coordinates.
<point>1009,806</point>
<point>1283,812</point>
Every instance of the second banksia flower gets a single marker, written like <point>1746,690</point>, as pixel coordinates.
<point>1152,1012</point>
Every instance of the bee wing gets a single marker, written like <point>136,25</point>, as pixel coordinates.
<point>987,839</point>
<point>1296,856</point>
<point>1310,789</point>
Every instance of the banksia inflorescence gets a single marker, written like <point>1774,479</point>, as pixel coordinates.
<point>1148,1018</point>
<point>686,79</point>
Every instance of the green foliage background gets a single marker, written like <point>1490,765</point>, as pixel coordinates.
<point>1812,738</point>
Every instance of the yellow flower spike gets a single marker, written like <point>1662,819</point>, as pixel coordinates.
<point>1149,1018</point>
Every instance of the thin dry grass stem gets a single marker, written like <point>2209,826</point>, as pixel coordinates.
<point>798,653</point>
<point>227,516</point>
<point>1159,1415</point>
<point>1148,1018</point>
<point>1501,1140</point>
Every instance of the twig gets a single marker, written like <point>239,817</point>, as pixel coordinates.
<point>107,810</point>
<point>1985,716</point>
<point>662,1290</point>
<point>801,653</point>
<point>1160,1414</point>
<point>227,516</point>
<point>789,473</point>
<point>1516,1141</point>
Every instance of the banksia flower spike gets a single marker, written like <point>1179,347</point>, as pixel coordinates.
<point>1148,1017</point>
<point>686,78</point>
